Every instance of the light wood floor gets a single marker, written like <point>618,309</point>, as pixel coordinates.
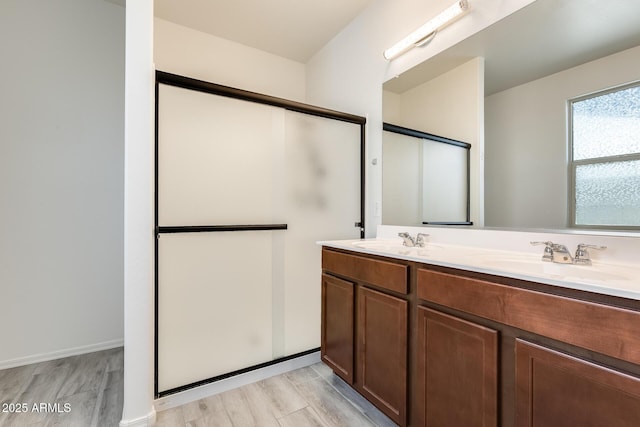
<point>92,387</point>
<point>307,397</point>
<point>83,391</point>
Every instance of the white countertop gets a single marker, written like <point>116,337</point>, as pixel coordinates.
<point>616,279</point>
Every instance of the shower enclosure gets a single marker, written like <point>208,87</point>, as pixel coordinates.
<point>245,186</point>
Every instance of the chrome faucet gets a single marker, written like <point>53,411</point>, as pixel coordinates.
<point>419,241</point>
<point>555,252</point>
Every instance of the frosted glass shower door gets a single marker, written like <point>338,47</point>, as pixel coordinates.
<point>215,304</point>
<point>445,182</point>
<point>323,201</point>
<point>220,160</point>
<point>244,192</point>
<point>401,180</point>
<point>220,164</point>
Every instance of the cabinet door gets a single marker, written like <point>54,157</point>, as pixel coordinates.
<point>337,326</point>
<point>457,364</point>
<point>382,352</point>
<point>555,389</point>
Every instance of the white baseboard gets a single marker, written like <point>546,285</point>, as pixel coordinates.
<point>207,390</point>
<point>146,421</point>
<point>58,354</point>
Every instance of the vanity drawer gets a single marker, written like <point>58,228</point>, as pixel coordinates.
<point>605,329</point>
<point>388,275</point>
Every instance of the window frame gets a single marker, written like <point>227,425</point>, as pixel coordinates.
<point>573,164</point>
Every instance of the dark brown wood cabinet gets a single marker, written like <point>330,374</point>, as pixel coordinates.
<point>366,343</point>
<point>434,346</point>
<point>338,303</point>
<point>457,372</point>
<point>558,390</point>
<point>603,328</point>
<point>382,351</point>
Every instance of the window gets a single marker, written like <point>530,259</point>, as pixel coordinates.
<point>604,163</point>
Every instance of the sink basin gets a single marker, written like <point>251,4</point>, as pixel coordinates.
<point>395,247</point>
<point>537,267</point>
<point>378,245</point>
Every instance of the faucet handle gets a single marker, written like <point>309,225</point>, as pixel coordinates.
<point>582,254</point>
<point>585,246</point>
<point>548,250</point>
<point>420,239</point>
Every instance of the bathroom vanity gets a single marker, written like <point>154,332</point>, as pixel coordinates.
<point>434,337</point>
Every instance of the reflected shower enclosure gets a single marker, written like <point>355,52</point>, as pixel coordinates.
<point>425,178</point>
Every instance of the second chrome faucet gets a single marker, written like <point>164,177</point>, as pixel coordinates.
<point>555,252</point>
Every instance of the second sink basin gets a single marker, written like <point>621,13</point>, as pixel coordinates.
<point>600,273</point>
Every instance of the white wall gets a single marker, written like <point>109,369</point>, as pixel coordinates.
<point>348,73</point>
<point>61,178</point>
<point>526,133</point>
<point>391,107</point>
<point>191,53</point>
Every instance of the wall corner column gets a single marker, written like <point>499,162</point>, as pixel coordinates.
<point>138,407</point>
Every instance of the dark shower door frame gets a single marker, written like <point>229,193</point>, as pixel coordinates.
<point>230,92</point>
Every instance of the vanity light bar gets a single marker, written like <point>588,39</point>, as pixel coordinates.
<point>427,30</point>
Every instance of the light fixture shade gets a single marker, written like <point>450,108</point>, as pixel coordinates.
<point>426,29</point>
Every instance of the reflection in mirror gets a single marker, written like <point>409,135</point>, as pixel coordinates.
<point>534,62</point>
<point>425,178</point>
<point>528,178</point>
<point>446,106</point>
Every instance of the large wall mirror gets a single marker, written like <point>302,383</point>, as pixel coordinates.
<point>506,90</point>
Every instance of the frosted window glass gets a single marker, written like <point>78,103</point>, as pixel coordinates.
<point>608,193</point>
<point>607,125</point>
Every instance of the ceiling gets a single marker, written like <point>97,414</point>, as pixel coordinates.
<point>294,29</point>
<point>543,38</point>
